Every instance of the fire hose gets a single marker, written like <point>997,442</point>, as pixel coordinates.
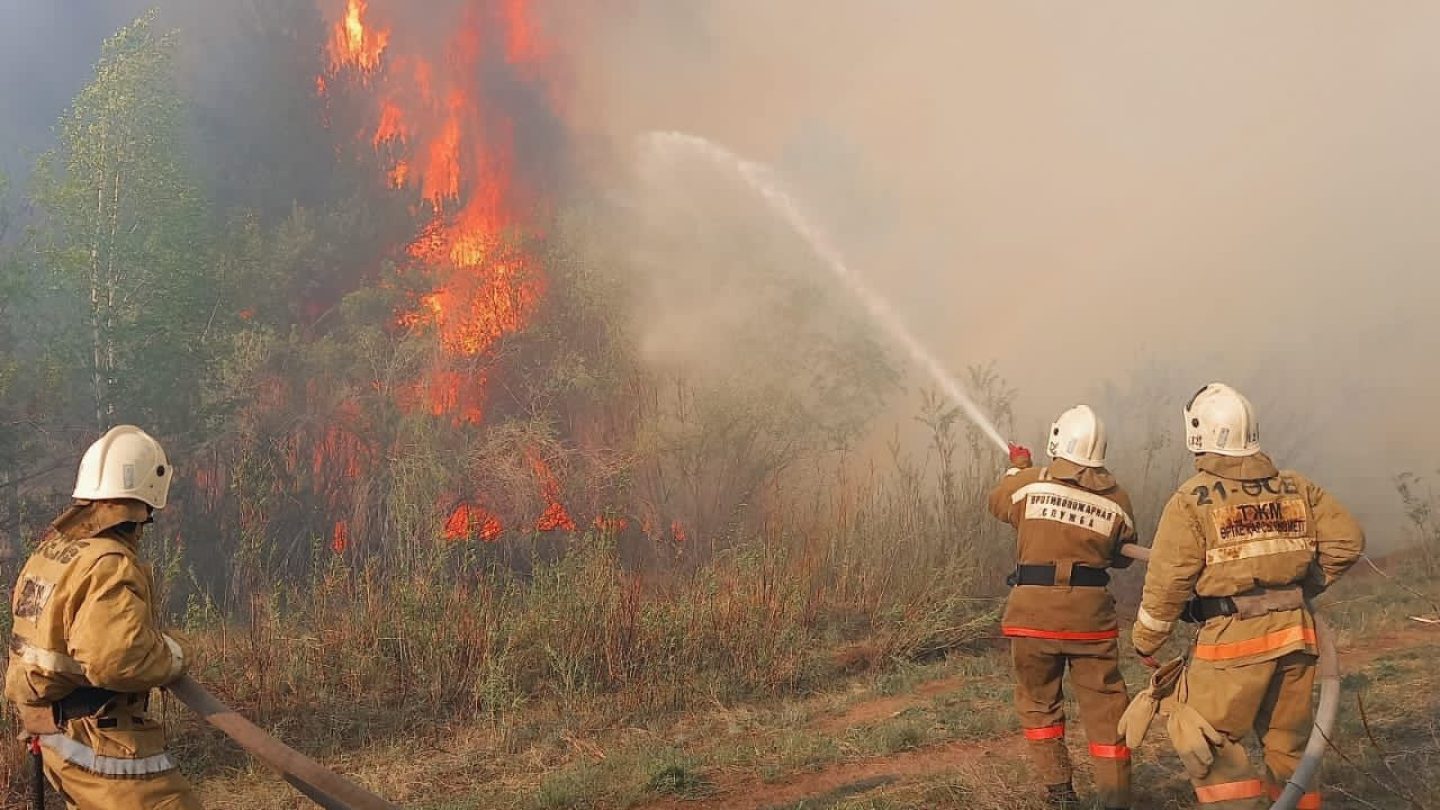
<point>321,785</point>
<point>1321,734</point>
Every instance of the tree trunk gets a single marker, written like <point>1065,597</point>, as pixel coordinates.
<point>112,285</point>
<point>96,341</point>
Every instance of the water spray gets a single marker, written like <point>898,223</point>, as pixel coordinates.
<point>763,181</point>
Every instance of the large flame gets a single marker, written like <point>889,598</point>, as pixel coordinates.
<point>355,44</point>
<point>443,137</point>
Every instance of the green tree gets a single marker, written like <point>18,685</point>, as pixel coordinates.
<point>125,228</point>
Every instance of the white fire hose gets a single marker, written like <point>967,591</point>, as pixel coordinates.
<point>1309,768</point>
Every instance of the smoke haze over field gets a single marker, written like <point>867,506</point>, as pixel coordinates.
<point>1089,193</point>
<point>1142,196</point>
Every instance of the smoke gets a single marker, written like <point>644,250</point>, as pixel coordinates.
<point>1115,204</point>
<point>46,53</point>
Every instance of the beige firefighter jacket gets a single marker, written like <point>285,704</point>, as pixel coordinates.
<point>1065,515</point>
<point>84,615</point>
<point>1242,526</point>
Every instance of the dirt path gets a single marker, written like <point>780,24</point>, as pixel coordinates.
<point>742,790</point>
<point>875,710</point>
<point>746,792</point>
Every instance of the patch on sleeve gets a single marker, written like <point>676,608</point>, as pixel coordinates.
<point>1245,522</point>
<point>32,596</point>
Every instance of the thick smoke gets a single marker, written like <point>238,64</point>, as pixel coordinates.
<point>1115,204</point>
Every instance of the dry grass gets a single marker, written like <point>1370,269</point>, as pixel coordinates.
<point>840,659</point>
<point>952,748</point>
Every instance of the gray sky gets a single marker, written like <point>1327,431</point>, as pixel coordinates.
<point>47,50</point>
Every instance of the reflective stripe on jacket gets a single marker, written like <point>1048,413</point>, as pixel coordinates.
<point>1237,525</point>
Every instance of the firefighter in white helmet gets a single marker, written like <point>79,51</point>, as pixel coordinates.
<point>87,647</point>
<point>1239,548</point>
<point>1071,520</point>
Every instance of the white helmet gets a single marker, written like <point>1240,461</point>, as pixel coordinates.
<point>125,463</point>
<point>1078,435</point>
<point>1220,420</point>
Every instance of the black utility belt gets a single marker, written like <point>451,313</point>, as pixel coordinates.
<point>87,701</point>
<point>1201,609</point>
<point>1082,576</point>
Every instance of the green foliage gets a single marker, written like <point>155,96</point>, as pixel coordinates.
<point>671,774</point>
<point>125,232</point>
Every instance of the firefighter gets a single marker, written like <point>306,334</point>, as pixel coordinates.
<point>1071,520</point>
<point>1239,549</point>
<point>87,648</point>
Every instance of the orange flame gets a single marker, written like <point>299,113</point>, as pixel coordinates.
<point>392,125</point>
<point>442,136</point>
<point>354,44</point>
<point>554,517</point>
<point>467,521</point>
<point>436,128</point>
<point>610,524</point>
<point>340,540</point>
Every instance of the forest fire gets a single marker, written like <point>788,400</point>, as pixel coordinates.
<point>442,135</point>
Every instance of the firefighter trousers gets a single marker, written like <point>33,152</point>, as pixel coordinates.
<point>1271,698</point>
<point>114,769</point>
<point>1040,665</point>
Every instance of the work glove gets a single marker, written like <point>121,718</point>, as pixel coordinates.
<point>1135,722</point>
<point>1194,739</point>
<point>1019,456</point>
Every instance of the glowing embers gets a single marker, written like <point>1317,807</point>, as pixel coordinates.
<point>354,43</point>
<point>468,522</point>
<point>555,516</point>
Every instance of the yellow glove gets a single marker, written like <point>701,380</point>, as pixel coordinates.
<point>1194,739</point>
<point>1135,722</point>
<point>1137,718</point>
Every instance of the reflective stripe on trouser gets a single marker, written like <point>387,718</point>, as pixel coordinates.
<point>1100,690</point>
<point>89,780</point>
<point>1244,793</point>
<point>1272,698</point>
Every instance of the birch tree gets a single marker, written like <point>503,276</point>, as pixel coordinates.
<point>124,226</point>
